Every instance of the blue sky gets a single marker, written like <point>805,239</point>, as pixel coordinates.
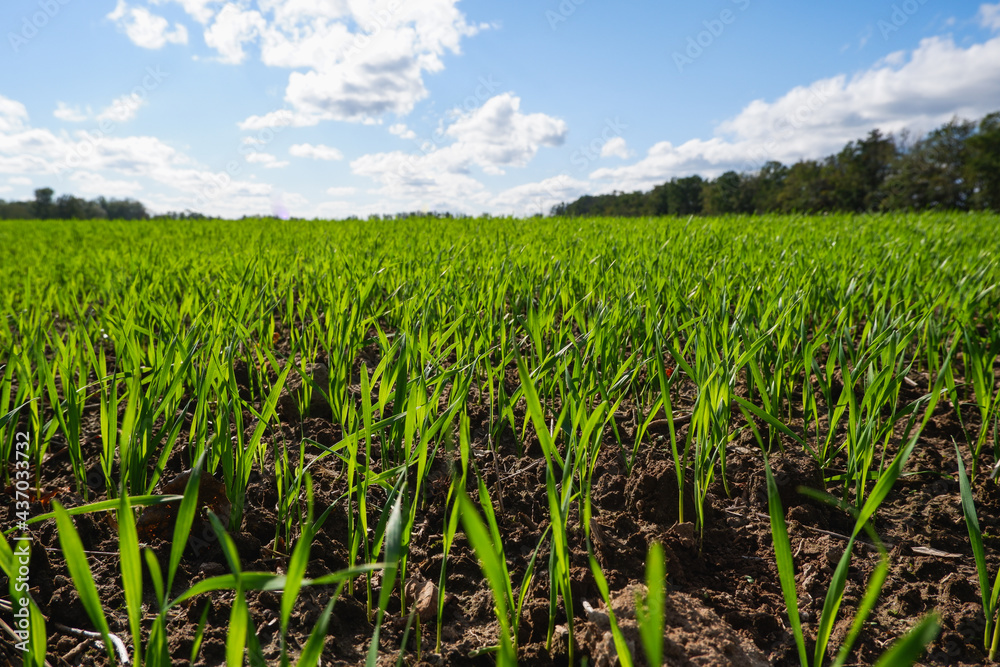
<point>337,107</point>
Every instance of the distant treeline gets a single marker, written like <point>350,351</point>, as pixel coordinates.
<point>68,207</point>
<point>955,167</point>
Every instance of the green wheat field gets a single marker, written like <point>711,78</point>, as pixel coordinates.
<point>473,441</point>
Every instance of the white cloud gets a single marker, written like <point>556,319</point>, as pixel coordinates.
<point>401,131</point>
<point>390,83</point>
<point>539,198</point>
<point>919,91</point>
<point>494,136</point>
<point>362,60</point>
<point>355,60</point>
<point>280,118</point>
<point>289,12</point>
<point>70,114</point>
<point>317,152</point>
<point>19,180</point>
<point>498,135</point>
<point>341,191</point>
<point>411,182</point>
<point>146,29</point>
<point>266,160</point>
<point>232,27</point>
<point>123,109</point>
<point>865,35</point>
<point>616,146</point>
<point>989,16</point>
<point>13,115</point>
<point>161,176</point>
<point>337,209</point>
<point>303,41</point>
<point>94,184</point>
<point>200,10</point>
<point>282,204</point>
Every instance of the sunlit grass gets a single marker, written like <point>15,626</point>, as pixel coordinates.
<point>567,337</point>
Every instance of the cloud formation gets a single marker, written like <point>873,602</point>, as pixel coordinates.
<point>353,61</point>
<point>92,162</point>
<point>317,152</point>
<point>146,29</point>
<point>123,109</point>
<point>616,147</point>
<point>70,114</point>
<point>989,16</point>
<point>918,91</point>
<point>493,137</point>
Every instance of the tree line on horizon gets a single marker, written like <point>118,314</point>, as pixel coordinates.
<point>46,206</point>
<point>955,167</point>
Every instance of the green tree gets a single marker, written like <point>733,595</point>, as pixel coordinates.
<point>16,210</point>
<point>123,209</point>
<point>684,196</point>
<point>957,166</point>
<point>725,195</point>
<point>934,174</point>
<point>68,207</point>
<point>42,207</point>
<point>857,172</point>
<point>766,186</point>
<point>806,189</point>
<point>984,163</point>
<point>658,201</point>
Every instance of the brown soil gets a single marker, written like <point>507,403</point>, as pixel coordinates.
<point>724,606</point>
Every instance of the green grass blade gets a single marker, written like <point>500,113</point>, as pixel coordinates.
<point>872,591</point>
<point>83,580</point>
<point>38,642</point>
<point>313,650</point>
<point>296,571</point>
<point>185,518</point>
<point>621,648</point>
<point>537,414</point>
<point>236,633</point>
<point>489,561</point>
<point>393,552</point>
<point>131,566</point>
<point>775,423</point>
<point>908,650</point>
<point>831,605</point>
<point>651,614</point>
<point>786,566</point>
<point>255,654</point>
<point>978,550</point>
<point>199,634</point>
<point>156,575</point>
